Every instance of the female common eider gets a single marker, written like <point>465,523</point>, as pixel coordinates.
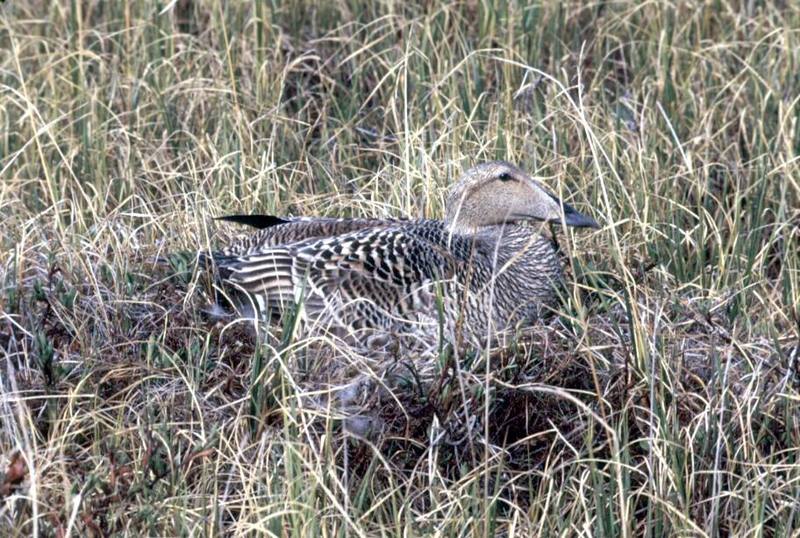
<point>477,273</point>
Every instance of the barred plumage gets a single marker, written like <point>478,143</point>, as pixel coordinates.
<point>479,270</point>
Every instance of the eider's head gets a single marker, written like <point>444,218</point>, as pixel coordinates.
<point>498,192</point>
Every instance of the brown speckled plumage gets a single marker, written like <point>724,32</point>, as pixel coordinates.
<point>478,271</point>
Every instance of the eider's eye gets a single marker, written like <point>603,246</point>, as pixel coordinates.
<point>505,176</point>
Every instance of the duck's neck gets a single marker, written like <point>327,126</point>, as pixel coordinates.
<point>461,228</point>
<point>505,240</point>
<point>456,224</point>
<point>506,230</point>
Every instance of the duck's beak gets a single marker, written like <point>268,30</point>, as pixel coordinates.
<point>572,217</point>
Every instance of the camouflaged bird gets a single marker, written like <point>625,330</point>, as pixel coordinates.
<point>476,273</point>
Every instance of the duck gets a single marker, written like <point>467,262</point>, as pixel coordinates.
<point>487,268</point>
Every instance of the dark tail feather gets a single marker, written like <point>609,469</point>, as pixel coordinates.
<point>256,221</point>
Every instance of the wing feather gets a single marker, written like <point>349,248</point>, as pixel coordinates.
<point>288,230</point>
<point>368,274</point>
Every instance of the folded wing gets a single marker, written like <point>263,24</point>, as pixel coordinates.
<point>368,277</point>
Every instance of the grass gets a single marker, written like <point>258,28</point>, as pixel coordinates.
<point>661,400</point>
